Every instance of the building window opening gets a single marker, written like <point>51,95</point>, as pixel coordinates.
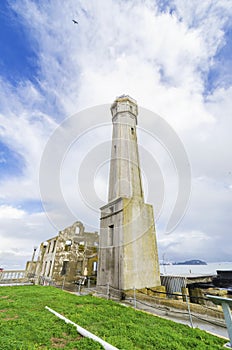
<point>81,246</point>
<point>54,245</point>
<point>68,244</point>
<point>45,268</point>
<point>79,267</point>
<point>49,246</point>
<point>64,268</point>
<point>50,266</point>
<point>132,131</point>
<point>110,235</point>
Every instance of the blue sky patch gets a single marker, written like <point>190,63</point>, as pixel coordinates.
<point>18,60</point>
<point>11,163</point>
<point>166,6</point>
<point>32,206</point>
<point>220,75</point>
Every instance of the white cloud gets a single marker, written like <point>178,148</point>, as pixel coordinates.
<point>19,233</point>
<point>192,244</point>
<point>9,212</point>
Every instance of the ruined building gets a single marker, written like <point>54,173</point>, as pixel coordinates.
<point>128,256</point>
<point>68,258</point>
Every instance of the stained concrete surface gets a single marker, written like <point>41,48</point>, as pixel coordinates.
<point>214,326</point>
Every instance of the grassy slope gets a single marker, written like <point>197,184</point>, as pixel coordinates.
<point>25,324</point>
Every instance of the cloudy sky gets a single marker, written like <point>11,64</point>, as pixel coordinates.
<point>57,80</point>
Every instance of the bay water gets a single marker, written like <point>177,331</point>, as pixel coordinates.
<point>209,269</point>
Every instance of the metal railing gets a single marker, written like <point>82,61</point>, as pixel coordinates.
<point>226,303</point>
<point>13,276</point>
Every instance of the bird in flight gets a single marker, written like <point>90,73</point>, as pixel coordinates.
<point>75,22</point>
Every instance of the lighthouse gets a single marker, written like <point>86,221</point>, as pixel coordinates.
<point>128,256</point>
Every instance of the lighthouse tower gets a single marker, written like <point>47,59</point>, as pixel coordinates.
<point>128,256</point>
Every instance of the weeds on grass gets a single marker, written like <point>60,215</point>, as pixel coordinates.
<point>26,325</point>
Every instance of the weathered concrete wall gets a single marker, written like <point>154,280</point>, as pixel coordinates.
<point>141,264</point>
<point>110,245</point>
<point>125,176</point>
<point>179,304</point>
<point>68,256</point>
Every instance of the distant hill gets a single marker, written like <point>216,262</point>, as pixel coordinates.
<point>191,262</point>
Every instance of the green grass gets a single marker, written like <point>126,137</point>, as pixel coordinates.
<point>25,324</point>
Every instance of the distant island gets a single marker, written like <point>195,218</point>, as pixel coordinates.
<point>191,262</point>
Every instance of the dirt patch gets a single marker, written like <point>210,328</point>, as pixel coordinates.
<point>6,297</point>
<point>60,343</point>
<point>3,310</point>
<point>10,318</point>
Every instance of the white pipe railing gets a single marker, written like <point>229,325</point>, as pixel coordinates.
<point>83,331</point>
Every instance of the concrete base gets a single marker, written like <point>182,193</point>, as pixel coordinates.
<point>128,251</point>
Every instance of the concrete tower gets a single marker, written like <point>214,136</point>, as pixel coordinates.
<point>128,254</point>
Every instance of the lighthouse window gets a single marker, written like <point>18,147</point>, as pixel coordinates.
<point>94,266</point>
<point>132,131</point>
<point>111,235</point>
